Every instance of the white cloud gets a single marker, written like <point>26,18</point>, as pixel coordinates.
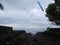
<point>24,14</point>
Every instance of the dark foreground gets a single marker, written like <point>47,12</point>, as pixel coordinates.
<point>10,37</point>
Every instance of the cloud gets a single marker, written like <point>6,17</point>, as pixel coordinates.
<point>23,14</point>
<point>32,17</point>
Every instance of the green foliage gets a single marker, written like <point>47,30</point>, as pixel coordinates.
<point>53,11</point>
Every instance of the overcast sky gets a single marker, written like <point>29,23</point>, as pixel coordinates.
<point>24,14</point>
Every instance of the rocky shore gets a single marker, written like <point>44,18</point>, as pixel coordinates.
<point>9,37</point>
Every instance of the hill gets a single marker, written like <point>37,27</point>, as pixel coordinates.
<point>9,37</point>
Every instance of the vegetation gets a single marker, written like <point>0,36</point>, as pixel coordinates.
<point>10,37</point>
<point>1,6</point>
<point>53,11</point>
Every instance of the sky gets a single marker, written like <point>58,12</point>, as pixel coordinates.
<point>25,15</point>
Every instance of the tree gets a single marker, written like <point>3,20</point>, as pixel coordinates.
<point>53,12</point>
<point>1,7</point>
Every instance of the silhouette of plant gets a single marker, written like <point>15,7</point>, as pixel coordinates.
<point>53,11</point>
<point>1,6</point>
